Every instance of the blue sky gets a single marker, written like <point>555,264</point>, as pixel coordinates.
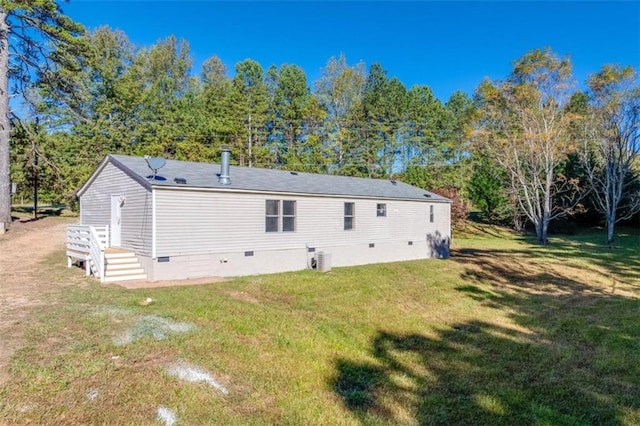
<point>448,46</point>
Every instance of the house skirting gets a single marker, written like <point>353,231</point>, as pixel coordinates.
<point>273,261</point>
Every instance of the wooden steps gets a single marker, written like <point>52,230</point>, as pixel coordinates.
<point>122,265</point>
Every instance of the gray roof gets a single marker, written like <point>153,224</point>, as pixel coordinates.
<point>205,175</point>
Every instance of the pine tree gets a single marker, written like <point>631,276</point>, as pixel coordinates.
<point>29,31</point>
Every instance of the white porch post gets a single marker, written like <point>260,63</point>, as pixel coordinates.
<point>153,223</point>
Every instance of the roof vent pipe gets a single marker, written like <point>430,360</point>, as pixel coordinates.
<point>223,177</point>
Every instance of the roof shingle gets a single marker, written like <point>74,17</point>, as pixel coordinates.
<point>205,175</point>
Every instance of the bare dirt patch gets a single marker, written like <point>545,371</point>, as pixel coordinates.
<point>243,296</point>
<point>23,285</point>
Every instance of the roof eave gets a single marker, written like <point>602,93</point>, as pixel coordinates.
<point>93,177</point>
<point>110,159</point>
<point>305,194</point>
<point>133,175</point>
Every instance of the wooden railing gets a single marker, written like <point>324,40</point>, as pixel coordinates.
<point>88,244</point>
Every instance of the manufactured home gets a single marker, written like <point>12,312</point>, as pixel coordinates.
<point>177,220</point>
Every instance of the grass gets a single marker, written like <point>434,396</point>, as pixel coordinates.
<point>20,211</point>
<point>505,332</point>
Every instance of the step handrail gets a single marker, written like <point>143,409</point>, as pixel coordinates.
<point>90,242</point>
<point>99,242</point>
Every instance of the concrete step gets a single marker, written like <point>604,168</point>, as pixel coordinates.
<point>122,260</point>
<point>119,255</point>
<point>123,272</point>
<point>125,278</point>
<point>122,265</point>
<point>129,265</point>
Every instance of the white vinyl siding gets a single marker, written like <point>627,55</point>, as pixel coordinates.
<point>95,207</point>
<point>195,222</point>
<point>441,223</point>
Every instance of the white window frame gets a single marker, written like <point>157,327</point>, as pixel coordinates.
<point>352,216</point>
<point>289,216</point>
<point>280,216</point>
<point>272,216</point>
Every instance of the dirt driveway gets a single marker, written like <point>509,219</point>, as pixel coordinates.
<point>22,282</point>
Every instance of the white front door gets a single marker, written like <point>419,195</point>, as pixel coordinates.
<point>116,219</point>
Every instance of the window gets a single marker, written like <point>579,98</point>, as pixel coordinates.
<point>381,210</point>
<point>431,214</point>
<point>349,216</point>
<point>280,216</point>
<point>273,215</point>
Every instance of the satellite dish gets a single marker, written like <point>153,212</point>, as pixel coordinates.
<point>155,164</point>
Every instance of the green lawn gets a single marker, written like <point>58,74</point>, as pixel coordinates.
<point>504,332</point>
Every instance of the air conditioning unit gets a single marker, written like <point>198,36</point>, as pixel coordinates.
<point>324,261</point>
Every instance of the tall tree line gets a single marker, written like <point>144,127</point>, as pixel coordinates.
<point>356,121</point>
<point>528,149</point>
<point>558,147</point>
<point>28,33</point>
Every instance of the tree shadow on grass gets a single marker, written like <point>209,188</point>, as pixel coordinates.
<point>47,210</point>
<point>622,264</point>
<point>567,354</point>
<point>621,259</point>
<point>479,373</point>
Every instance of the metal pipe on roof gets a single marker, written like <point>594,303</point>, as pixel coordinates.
<point>224,178</point>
